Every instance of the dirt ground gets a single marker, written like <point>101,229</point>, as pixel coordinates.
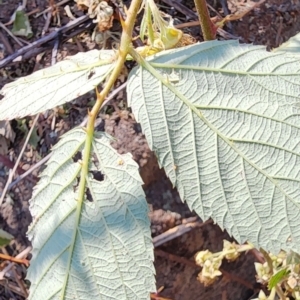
<point>269,23</point>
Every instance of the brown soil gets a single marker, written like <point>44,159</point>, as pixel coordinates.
<point>270,24</point>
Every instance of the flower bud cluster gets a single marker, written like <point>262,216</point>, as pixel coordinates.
<point>231,250</point>
<point>211,262</point>
<point>210,267</point>
<point>263,272</point>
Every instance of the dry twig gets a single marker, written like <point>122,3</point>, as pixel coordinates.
<point>11,34</point>
<point>31,48</point>
<point>50,7</point>
<point>21,255</point>
<point>12,173</point>
<point>14,259</point>
<point>178,231</point>
<point>20,282</point>
<point>6,43</point>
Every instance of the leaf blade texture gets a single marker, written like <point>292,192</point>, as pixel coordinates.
<point>224,121</point>
<point>56,85</point>
<point>111,255</point>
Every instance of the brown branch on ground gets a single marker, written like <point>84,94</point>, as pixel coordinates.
<point>176,258</point>
<point>6,43</point>
<point>14,259</point>
<point>21,289</point>
<point>12,287</point>
<point>71,29</point>
<point>17,40</point>
<point>240,280</point>
<point>178,231</point>
<point>20,282</point>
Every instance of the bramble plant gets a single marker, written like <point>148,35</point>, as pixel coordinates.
<point>223,120</point>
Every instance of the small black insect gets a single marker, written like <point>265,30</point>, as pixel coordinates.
<point>92,73</point>
<point>88,195</point>
<point>98,175</point>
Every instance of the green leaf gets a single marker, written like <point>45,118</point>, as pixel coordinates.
<point>103,251</point>
<point>56,85</point>
<point>224,120</point>
<point>278,277</point>
<point>5,238</point>
<point>34,138</point>
<point>21,26</point>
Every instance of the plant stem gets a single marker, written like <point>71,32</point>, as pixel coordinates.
<point>122,54</point>
<point>123,51</point>
<point>207,26</point>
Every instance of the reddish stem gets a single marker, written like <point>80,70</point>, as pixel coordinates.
<point>208,28</point>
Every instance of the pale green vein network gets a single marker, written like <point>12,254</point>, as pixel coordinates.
<point>245,111</point>
<point>106,252</point>
<point>249,99</point>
